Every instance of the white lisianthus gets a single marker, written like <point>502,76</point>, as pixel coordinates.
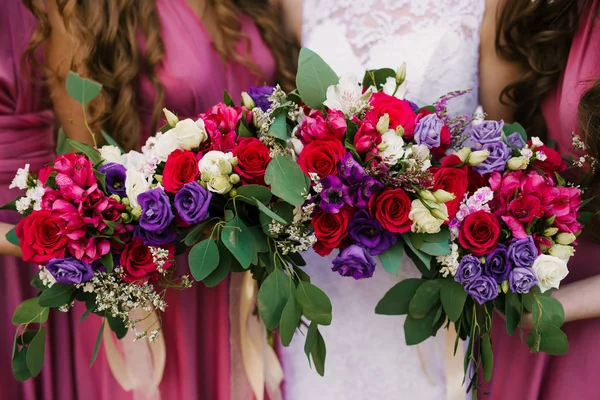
<point>189,134</point>
<point>442,196</point>
<point>477,157</point>
<point>390,85</point>
<point>565,238</point>
<point>418,154</point>
<point>391,148</point>
<point>166,143</point>
<point>111,154</point>
<point>219,184</point>
<point>561,251</point>
<point>135,184</point>
<point>422,218</point>
<point>20,179</point>
<point>383,125</point>
<point>550,271</point>
<point>247,101</point>
<point>517,163</point>
<point>463,154</point>
<point>216,163</point>
<point>347,96</point>
<point>171,118</point>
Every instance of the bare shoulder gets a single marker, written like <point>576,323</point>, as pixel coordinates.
<point>292,16</point>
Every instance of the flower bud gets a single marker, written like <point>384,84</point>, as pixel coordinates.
<point>158,178</point>
<point>427,196</point>
<point>401,74</point>
<point>505,286</point>
<point>439,214</point>
<point>115,197</point>
<point>442,196</point>
<point>517,163</point>
<point>477,157</point>
<point>136,212</point>
<point>233,192</point>
<point>247,101</point>
<point>549,232</point>
<point>565,238</point>
<point>171,118</point>
<point>233,161</point>
<point>562,252</point>
<point>550,221</point>
<point>400,130</point>
<point>383,125</point>
<point>125,201</point>
<point>126,218</point>
<point>463,154</point>
<point>234,179</point>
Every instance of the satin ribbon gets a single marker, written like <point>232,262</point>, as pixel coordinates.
<point>254,364</point>
<point>139,365</point>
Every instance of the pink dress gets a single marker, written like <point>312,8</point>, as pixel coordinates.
<point>518,374</point>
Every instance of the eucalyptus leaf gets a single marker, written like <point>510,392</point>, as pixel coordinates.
<point>453,298</point>
<point>261,244</point>
<point>226,260</point>
<point>314,303</point>
<point>287,180</point>
<point>62,145</point>
<point>89,151</point>
<point>81,89</point>
<point>397,299</point>
<point>19,366</point>
<point>422,258</point>
<point>289,319</point>
<point>227,100</point>
<point>272,297</point>
<point>318,353</point>
<point>425,299</point>
<point>279,127</point>
<point>378,77</point>
<point>108,262</point>
<point>309,342</point>
<point>29,312</point>
<point>203,259</point>
<point>487,356</point>
<point>57,295</point>
<point>512,312</point>
<point>259,192</point>
<point>553,340</point>
<point>238,239</point>
<point>195,234</point>
<point>418,330</point>
<point>436,249</point>
<point>36,353</point>
<point>264,209</point>
<point>392,257</point>
<point>117,325</point>
<point>515,127</point>
<point>313,78</point>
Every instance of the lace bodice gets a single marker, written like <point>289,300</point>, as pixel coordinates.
<point>367,357</point>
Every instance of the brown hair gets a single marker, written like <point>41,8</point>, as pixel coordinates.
<point>109,52</point>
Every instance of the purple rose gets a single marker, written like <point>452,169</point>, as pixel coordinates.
<point>428,131</point>
<point>468,270</point>
<point>522,280</point>
<point>369,233</point>
<point>156,210</point>
<point>157,238</point>
<point>487,132</point>
<point>498,265</point>
<point>354,261</point>
<point>496,161</point>
<point>115,178</point>
<point>515,141</point>
<point>522,252</point>
<point>362,192</point>
<point>482,289</point>
<point>260,95</point>
<point>334,194</point>
<point>192,202</point>
<point>70,270</point>
<point>350,171</point>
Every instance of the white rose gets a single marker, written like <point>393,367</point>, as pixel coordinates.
<point>219,184</point>
<point>135,184</point>
<point>423,220</point>
<point>165,145</point>
<point>216,163</point>
<point>111,154</point>
<point>561,251</point>
<point>391,148</point>
<point>189,134</point>
<point>550,271</point>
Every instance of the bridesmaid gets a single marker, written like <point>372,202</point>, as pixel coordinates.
<point>150,54</point>
<point>557,46</point>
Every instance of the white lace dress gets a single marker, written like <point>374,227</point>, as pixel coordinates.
<point>367,358</point>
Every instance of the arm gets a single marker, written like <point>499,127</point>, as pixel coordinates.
<point>7,248</point>
<point>495,73</point>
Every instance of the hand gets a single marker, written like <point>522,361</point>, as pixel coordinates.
<point>526,320</point>
<point>7,248</point>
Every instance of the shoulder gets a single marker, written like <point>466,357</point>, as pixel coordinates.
<point>291,14</point>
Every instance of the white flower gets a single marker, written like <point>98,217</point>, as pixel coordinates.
<point>565,238</point>
<point>550,271</point>
<point>463,154</point>
<point>35,195</point>
<point>88,287</point>
<point>166,143</point>
<point>390,85</point>
<point>347,96</point>
<point>418,154</point>
<point>527,153</point>
<point>296,145</point>
<point>111,154</point>
<point>135,184</point>
<point>477,157</point>
<point>561,251</point>
<point>46,277</point>
<point>190,134</point>
<point>216,163</point>
<point>423,220</point>
<point>247,101</point>
<point>219,184</point>
<point>23,204</point>
<point>450,262</point>
<point>391,148</point>
<point>20,180</point>
<point>536,142</point>
<point>442,196</point>
<point>517,163</point>
<point>540,155</point>
<point>171,118</point>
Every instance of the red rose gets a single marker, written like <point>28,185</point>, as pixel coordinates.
<point>40,237</point>
<point>526,208</point>
<point>330,229</point>
<point>181,168</point>
<point>391,208</point>
<point>479,233</point>
<point>453,180</point>
<point>553,162</point>
<point>321,157</point>
<point>367,139</point>
<point>253,157</point>
<point>138,264</point>
<point>399,111</point>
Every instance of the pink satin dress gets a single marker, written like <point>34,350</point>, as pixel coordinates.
<point>196,324</point>
<point>518,374</point>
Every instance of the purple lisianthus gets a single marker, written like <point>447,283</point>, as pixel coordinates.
<point>260,95</point>
<point>428,131</point>
<point>468,270</point>
<point>496,161</point>
<point>515,141</point>
<point>192,202</point>
<point>498,265</point>
<point>70,270</point>
<point>362,192</point>
<point>482,289</point>
<point>354,261</point>
<point>350,171</point>
<point>334,194</point>
<point>156,210</point>
<point>522,280</point>
<point>487,132</point>
<point>369,233</point>
<point>115,178</point>
<point>413,105</point>
<point>157,238</point>
<point>522,252</point>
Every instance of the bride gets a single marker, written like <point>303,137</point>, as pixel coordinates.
<point>367,357</point>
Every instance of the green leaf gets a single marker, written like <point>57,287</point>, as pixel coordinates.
<point>272,297</point>
<point>262,193</point>
<point>552,311</point>
<point>195,234</point>
<point>377,77</point>
<point>303,276</point>
<point>553,340</point>
<point>266,210</point>
<point>424,259</point>
<point>289,319</point>
<point>242,128</point>
<point>441,237</point>
<point>19,366</point>
<point>426,108</point>
<point>296,259</point>
<point>453,298</point>
<point>287,180</point>
<point>226,260</point>
<point>512,312</point>
<point>227,100</point>
<point>26,337</point>
<point>12,206</point>
<point>81,89</point>
<point>57,295</point>
<point>309,342</point>
<point>36,352</point>
<point>108,261</point>
<point>418,330</point>
<point>111,141</point>
<point>97,345</point>
<point>318,353</point>
<point>425,299</point>
<point>62,145</point>
<point>11,236</point>
<point>397,299</point>
<point>392,257</point>
<point>487,356</point>
<point>238,239</point>
<point>436,249</point>
<point>260,240</point>
<point>29,312</point>
<point>279,127</point>
<point>314,303</point>
<point>313,78</point>
<point>117,325</point>
<point>203,259</point>
<point>89,151</point>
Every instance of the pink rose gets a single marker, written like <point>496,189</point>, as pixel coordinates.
<point>315,126</point>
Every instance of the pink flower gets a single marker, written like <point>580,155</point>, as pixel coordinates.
<point>75,175</point>
<point>515,226</point>
<point>49,197</point>
<point>89,249</point>
<point>221,120</point>
<point>224,143</point>
<point>315,126</point>
<point>565,205</point>
<point>367,139</point>
<point>75,226</point>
